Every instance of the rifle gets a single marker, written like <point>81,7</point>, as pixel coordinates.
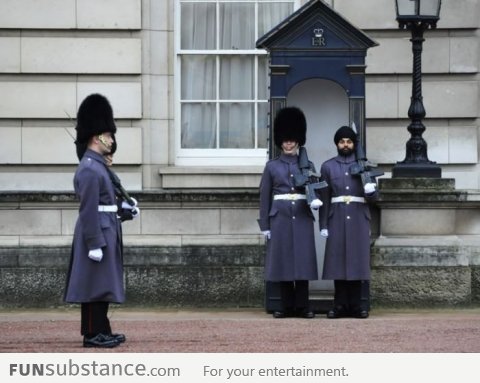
<point>363,167</point>
<point>119,190</point>
<point>307,178</point>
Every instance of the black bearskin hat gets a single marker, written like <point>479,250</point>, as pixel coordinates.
<point>114,145</point>
<point>95,116</point>
<point>289,124</point>
<point>81,149</point>
<point>345,132</point>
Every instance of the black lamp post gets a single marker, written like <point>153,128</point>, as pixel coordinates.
<point>417,16</point>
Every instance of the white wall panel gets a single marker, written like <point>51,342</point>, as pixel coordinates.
<point>70,14</point>
<point>443,98</point>
<point>10,145</point>
<point>81,55</point>
<point>37,99</point>
<point>37,14</point>
<point>10,54</point>
<point>109,14</point>
<point>57,181</point>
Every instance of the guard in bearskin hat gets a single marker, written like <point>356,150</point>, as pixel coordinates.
<point>286,219</point>
<point>345,223</point>
<point>95,276</point>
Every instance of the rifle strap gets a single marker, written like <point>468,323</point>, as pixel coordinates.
<point>118,185</point>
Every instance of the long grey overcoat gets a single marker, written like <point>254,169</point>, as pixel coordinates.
<point>291,250</point>
<point>88,280</point>
<point>347,251</point>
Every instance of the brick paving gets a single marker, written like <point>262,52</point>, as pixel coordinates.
<point>246,331</point>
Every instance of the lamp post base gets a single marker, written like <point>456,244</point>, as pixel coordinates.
<point>413,170</point>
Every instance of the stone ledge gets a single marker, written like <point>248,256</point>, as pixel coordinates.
<point>422,192</point>
<point>141,256</point>
<point>156,240</point>
<point>157,196</point>
<point>228,170</point>
<point>228,177</point>
<point>426,251</point>
<point>417,184</point>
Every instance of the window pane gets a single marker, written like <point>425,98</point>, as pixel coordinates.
<point>198,126</point>
<point>263,78</point>
<point>198,77</point>
<point>236,77</point>
<point>237,26</point>
<point>270,14</point>
<point>429,8</point>
<point>198,26</point>
<point>406,8</point>
<point>237,126</point>
<point>262,124</point>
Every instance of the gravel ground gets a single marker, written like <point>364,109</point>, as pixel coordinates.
<point>245,331</point>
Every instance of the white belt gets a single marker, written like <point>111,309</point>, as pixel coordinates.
<point>347,199</point>
<point>291,196</point>
<point>108,208</point>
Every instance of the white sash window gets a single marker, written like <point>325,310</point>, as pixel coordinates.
<point>222,80</point>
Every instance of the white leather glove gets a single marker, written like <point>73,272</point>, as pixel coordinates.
<point>369,188</point>
<point>267,234</point>
<point>316,203</point>
<point>324,233</point>
<point>96,255</point>
<point>135,211</point>
<point>126,205</point>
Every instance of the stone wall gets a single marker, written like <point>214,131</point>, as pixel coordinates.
<point>203,249</point>
<point>190,276</point>
<point>185,249</point>
<point>428,249</point>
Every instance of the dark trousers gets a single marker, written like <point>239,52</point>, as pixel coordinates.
<point>294,295</point>
<point>94,319</point>
<point>352,296</point>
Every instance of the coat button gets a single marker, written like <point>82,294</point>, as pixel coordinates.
<point>348,217</point>
<point>348,187</point>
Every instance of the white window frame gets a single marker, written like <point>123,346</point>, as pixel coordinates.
<point>216,157</point>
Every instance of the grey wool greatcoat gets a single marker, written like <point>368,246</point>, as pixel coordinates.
<point>347,251</point>
<point>88,280</point>
<point>291,250</point>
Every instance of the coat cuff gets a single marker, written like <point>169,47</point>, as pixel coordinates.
<point>263,224</point>
<point>96,242</point>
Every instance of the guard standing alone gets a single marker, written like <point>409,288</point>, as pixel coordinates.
<point>95,276</point>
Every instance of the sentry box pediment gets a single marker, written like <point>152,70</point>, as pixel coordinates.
<point>316,29</point>
<point>316,42</point>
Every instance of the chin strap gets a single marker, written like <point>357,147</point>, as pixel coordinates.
<point>104,141</point>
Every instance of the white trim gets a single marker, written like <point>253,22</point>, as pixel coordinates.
<point>221,157</point>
